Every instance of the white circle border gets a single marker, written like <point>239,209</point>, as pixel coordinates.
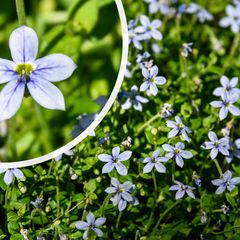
<point>101,115</point>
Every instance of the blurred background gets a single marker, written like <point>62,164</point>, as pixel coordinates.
<point>89,32</point>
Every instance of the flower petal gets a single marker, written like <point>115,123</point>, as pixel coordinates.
<point>53,68</point>
<point>100,221</point>
<point>46,94</point>
<point>18,173</point>
<point>7,72</point>
<point>108,167</point>
<point>81,225</point>
<point>23,44</point>
<point>90,218</point>
<point>121,169</point>
<point>148,167</point>
<point>98,232</point>
<point>105,157</point>
<point>122,205</point>
<point>124,156</point>
<point>11,98</point>
<point>8,177</point>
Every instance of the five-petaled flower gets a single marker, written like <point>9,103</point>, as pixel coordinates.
<point>217,145</point>
<point>152,80</point>
<point>226,182</point>
<point>178,128</point>
<point>115,160</point>
<point>182,189</point>
<point>154,161</point>
<point>10,173</point>
<point>122,194</point>
<point>37,75</point>
<point>91,224</point>
<point>177,152</point>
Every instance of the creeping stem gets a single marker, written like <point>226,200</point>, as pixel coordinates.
<point>21,12</point>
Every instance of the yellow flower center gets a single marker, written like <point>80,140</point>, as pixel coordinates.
<point>24,70</point>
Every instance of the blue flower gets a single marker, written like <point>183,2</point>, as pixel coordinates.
<point>234,150</point>
<point>10,173</point>
<point>154,161</point>
<point>221,145</point>
<point>149,29</point>
<point>178,128</point>
<point>232,19</point>
<point>67,153</point>
<point>187,48</point>
<point>182,190</point>
<point>226,105</point>
<point>152,80</point>
<point>115,161</point>
<point>91,224</point>
<point>37,75</point>
<point>128,73</point>
<point>153,5</point>
<point>226,182</point>
<point>177,152</point>
<point>37,203</point>
<point>228,87</point>
<point>122,194</point>
<point>141,59</point>
<point>134,100</point>
<point>135,39</point>
<point>166,111</point>
<point>201,13</point>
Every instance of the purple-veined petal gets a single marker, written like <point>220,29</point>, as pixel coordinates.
<point>171,124</point>
<point>186,154</point>
<point>230,187</point>
<point>146,160</point>
<point>121,169</point>
<point>18,173</point>
<point>234,110</point>
<point>214,153</point>
<point>224,81</point>
<point>11,98</point>
<point>212,136</point>
<point>223,113</point>
<point>224,151</point>
<point>153,89</point>
<point>167,148</point>
<point>81,225</point>
<point>116,199</point>
<point>110,190</point>
<point>156,34</point>
<point>218,91</point>
<point>155,154</point>
<point>127,104</point>
<point>235,180</point>
<point>124,156</point>
<point>160,80</point>
<point>128,186</point>
<point>98,232</point>
<point>190,193</point>
<point>174,188</point>
<point>46,94</point>
<point>122,205</point>
<point>216,104</point>
<point>126,196</point>
<point>3,170</point>
<point>100,221</point>
<point>115,152</point>
<point>178,119</point>
<point>227,175</point>
<point>173,133</point>
<point>54,68</point>
<point>8,177</point>
<point>144,86</point>
<point>90,218</point>
<point>144,20</point>
<point>156,23</point>
<point>145,73</point>
<point>217,182</point>
<point>179,161</point>
<point>234,82</point>
<point>154,71</point>
<point>105,157</point>
<point>23,44</point>
<point>115,182</point>
<point>148,167</point>
<point>220,189</point>
<point>185,136</point>
<point>180,145</point>
<point>108,167</point>
<point>7,72</point>
<point>160,167</point>
<point>137,106</point>
<point>85,235</point>
<point>141,99</point>
<point>179,194</point>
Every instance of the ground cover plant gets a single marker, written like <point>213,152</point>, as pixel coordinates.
<point>164,163</point>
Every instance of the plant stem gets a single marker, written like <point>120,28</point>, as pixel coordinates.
<point>147,123</point>
<point>218,167</point>
<point>166,212</point>
<point>118,219</point>
<point>21,12</point>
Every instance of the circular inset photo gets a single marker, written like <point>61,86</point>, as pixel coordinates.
<point>58,68</point>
